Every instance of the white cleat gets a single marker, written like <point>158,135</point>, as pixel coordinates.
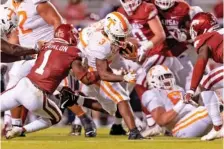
<point>152,131</point>
<point>213,134</point>
<point>14,132</point>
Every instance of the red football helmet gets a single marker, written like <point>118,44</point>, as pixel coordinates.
<point>67,32</point>
<point>202,22</point>
<point>130,5</point>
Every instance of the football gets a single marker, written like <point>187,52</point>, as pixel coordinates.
<point>130,52</point>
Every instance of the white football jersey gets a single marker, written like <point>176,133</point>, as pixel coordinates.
<point>99,47</point>
<point>31,25</point>
<point>85,34</point>
<point>155,98</point>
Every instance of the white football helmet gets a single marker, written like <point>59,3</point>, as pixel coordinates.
<point>8,20</point>
<point>161,77</point>
<point>164,4</point>
<point>117,27</point>
<point>130,5</point>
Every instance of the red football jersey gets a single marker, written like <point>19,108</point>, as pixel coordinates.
<point>140,28</point>
<point>215,42</point>
<point>53,64</point>
<point>175,18</point>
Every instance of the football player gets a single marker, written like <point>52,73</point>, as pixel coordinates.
<point>175,16</point>
<point>148,30</point>
<point>164,100</point>
<point>55,60</point>
<point>208,43</point>
<point>100,51</point>
<point>37,21</point>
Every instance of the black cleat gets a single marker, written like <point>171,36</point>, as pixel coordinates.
<point>135,135</point>
<point>76,130</point>
<point>89,126</point>
<point>117,129</point>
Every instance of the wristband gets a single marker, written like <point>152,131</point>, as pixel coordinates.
<point>179,106</point>
<point>191,92</point>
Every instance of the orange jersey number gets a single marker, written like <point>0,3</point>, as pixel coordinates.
<point>23,15</point>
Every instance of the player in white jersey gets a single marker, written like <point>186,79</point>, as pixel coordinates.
<point>165,102</point>
<point>101,48</point>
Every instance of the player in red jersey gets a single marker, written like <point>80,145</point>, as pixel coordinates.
<point>53,64</point>
<point>208,42</point>
<point>175,16</point>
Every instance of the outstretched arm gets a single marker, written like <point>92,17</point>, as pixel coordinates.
<point>106,73</point>
<point>15,50</point>
<point>200,65</point>
<point>49,13</point>
<point>82,74</point>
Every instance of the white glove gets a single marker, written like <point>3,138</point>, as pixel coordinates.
<point>178,34</point>
<point>130,77</point>
<point>145,46</point>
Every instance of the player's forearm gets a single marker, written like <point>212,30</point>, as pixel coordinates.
<point>166,118</point>
<point>5,58</point>
<point>15,50</point>
<point>110,77</point>
<point>198,72</point>
<point>90,78</point>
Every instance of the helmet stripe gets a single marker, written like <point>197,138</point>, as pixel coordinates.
<point>123,22</point>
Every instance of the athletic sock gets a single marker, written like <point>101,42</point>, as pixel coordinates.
<point>38,124</point>
<point>210,100</point>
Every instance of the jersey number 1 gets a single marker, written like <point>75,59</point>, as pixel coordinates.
<point>40,70</point>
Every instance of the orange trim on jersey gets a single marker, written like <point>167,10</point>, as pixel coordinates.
<point>106,92</point>
<point>120,17</point>
<point>82,40</point>
<point>114,91</point>
<point>193,114</point>
<point>189,123</point>
<point>91,69</point>
<point>21,24</point>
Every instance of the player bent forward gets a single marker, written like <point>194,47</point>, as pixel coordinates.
<point>55,60</point>
<point>165,102</point>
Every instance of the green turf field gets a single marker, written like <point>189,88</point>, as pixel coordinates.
<point>57,138</point>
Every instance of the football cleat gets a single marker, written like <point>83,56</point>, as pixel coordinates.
<point>213,134</point>
<point>117,129</point>
<point>76,130</point>
<point>14,132</point>
<point>135,135</point>
<point>89,126</point>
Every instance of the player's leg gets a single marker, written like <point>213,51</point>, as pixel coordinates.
<point>114,92</point>
<point>214,80</point>
<point>86,121</point>
<point>185,74</point>
<point>195,124</point>
<point>35,101</point>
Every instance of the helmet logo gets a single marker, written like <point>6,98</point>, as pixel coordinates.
<point>111,22</point>
<point>60,34</point>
